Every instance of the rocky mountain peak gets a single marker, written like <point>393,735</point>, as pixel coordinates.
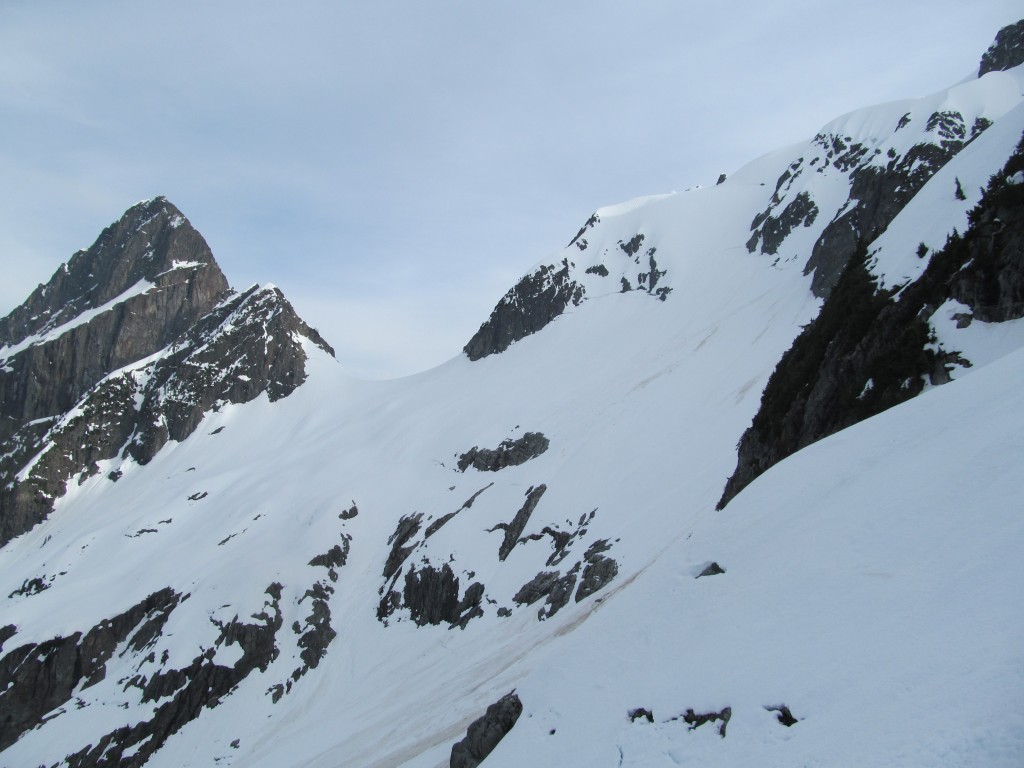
<point>147,279</point>
<point>1006,52</point>
<point>152,242</point>
<point>127,346</point>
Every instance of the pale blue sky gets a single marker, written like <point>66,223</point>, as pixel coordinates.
<point>394,167</point>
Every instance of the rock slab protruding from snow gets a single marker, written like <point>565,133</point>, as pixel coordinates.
<point>528,306</point>
<point>483,734</point>
<point>1006,52</point>
<point>509,453</point>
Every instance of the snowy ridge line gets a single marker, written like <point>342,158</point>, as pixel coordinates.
<point>941,207</point>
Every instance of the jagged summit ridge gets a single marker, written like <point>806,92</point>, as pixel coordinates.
<point>147,278</point>
<point>609,254</point>
<point>852,180</point>
<point>151,242</point>
<point>842,188</point>
<point>1006,52</point>
<point>126,347</point>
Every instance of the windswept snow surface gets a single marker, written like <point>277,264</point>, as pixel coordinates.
<point>872,585</point>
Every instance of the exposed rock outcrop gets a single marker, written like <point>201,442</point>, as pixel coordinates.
<point>509,453</point>
<point>696,720</point>
<point>145,281</point>
<point>551,585</point>
<point>484,733</point>
<point>878,193</point>
<point>528,306</point>
<point>598,571</point>
<point>249,344</point>
<point>1006,52</point>
<point>39,677</point>
<point>514,529</point>
<point>783,715</point>
<point>126,347</point>
<point>432,597</point>
<point>408,526</point>
<point>869,350</point>
<point>712,569</point>
<point>771,228</point>
<point>184,693</point>
<point>882,180</point>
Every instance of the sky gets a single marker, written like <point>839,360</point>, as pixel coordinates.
<point>395,167</point>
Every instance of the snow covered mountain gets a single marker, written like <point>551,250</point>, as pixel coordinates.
<point>221,549</point>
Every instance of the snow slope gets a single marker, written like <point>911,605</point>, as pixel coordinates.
<point>872,585</point>
<point>870,581</point>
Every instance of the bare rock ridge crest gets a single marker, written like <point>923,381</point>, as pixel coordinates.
<point>877,194</point>
<point>148,289</point>
<point>870,349</point>
<point>73,345</point>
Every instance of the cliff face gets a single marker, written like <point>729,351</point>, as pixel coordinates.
<point>881,176</point>
<point>1007,51</point>
<point>146,279</point>
<point>126,347</point>
<point>870,349</point>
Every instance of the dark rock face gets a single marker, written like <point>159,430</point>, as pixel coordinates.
<point>509,453</point>
<point>334,557</point>
<point>711,570</point>
<point>408,526</point>
<point>430,594</point>
<point>186,692</point>
<point>514,529</point>
<point>598,571</point>
<point>6,633</point>
<point>591,222</point>
<point>530,305</point>
<point>483,734</point>
<point>319,633</point>
<point>641,713</point>
<point>879,189</point>
<point>696,720</point>
<point>1006,52</point>
<point>37,678</point>
<point>432,597</point>
<point>869,350</point>
<point>882,192</point>
<point>152,242</point>
<point>250,344</point>
<point>71,392</point>
<point>771,229</point>
<point>435,526</point>
<point>552,585</point>
<point>783,715</point>
<point>247,345</point>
